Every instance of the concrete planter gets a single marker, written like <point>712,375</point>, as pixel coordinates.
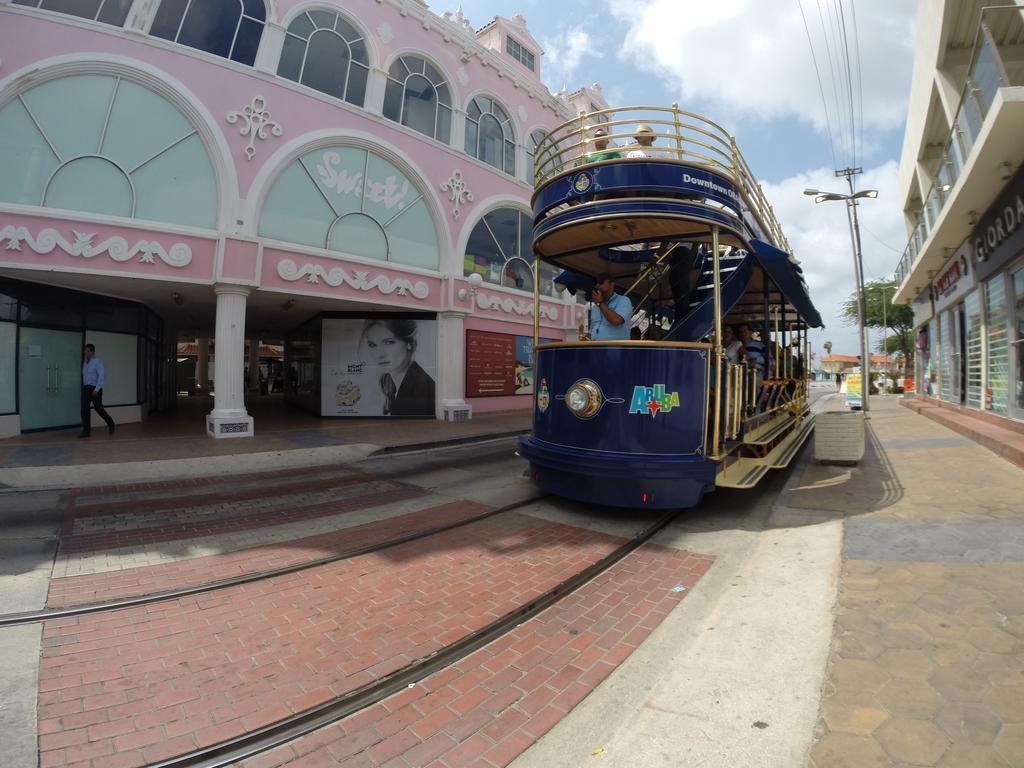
<point>839,437</point>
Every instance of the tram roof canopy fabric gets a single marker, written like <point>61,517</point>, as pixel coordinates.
<point>789,279</point>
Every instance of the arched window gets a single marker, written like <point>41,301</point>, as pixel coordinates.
<point>531,154</point>
<point>353,201</point>
<point>325,52</point>
<point>500,249</point>
<point>228,28</point>
<point>489,134</point>
<point>418,96</point>
<point>108,11</point>
<point>127,152</point>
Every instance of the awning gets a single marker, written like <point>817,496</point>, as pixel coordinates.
<point>785,272</point>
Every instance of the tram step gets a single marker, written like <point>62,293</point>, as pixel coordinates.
<point>784,452</point>
<point>769,430</point>
<point>741,473</point>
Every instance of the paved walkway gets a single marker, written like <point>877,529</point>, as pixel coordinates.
<point>927,660</point>
<point>175,444</point>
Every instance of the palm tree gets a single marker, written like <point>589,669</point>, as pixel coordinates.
<point>828,347</point>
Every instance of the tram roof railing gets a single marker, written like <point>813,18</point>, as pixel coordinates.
<point>679,136</point>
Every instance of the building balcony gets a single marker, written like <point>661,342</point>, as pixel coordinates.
<point>982,152</point>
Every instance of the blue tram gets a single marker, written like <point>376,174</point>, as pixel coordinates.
<point>662,202</point>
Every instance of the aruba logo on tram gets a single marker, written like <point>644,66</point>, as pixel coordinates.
<point>651,400</point>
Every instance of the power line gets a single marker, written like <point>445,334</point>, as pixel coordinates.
<point>860,74</point>
<point>841,14</point>
<point>821,87</point>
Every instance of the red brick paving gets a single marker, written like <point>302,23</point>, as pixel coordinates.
<point>491,706</point>
<point>202,669</point>
<point>130,537</point>
<point>111,585</point>
<point>253,488</point>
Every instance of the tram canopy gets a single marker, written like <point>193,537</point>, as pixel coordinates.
<point>785,272</point>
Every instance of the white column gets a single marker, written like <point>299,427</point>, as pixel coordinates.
<point>203,365</point>
<point>229,417</point>
<point>268,55</point>
<point>458,129</point>
<point>376,84</point>
<point>451,363</point>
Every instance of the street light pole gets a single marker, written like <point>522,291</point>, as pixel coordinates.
<point>858,271</point>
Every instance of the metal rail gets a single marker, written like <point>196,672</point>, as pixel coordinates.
<point>679,136</point>
<point>45,614</point>
<point>242,747</point>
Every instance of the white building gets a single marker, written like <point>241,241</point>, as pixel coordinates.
<point>962,189</point>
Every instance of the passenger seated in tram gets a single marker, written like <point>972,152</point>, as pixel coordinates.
<point>644,146</point>
<point>610,315</point>
<point>601,151</point>
<point>754,348</point>
<point>734,351</point>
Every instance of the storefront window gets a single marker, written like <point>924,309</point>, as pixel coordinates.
<point>352,201</point>
<point>108,11</point>
<point>325,52</point>
<point>948,357</point>
<point>1018,338</point>
<point>500,250</point>
<point>998,348</point>
<point>120,355</point>
<point>228,28</point>
<point>973,328</point>
<point>418,96</point>
<point>105,144</point>
<point>8,353</point>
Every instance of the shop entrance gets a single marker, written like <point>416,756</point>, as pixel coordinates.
<point>49,378</point>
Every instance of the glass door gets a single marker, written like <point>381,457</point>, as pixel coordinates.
<point>1017,342</point>
<point>973,348</point>
<point>49,378</point>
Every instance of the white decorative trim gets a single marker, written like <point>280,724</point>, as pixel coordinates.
<point>457,190</point>
<point>336,276</point>
<point>519,307</point>
<point>179,255</point>
<point>257,120</point>
<point>385,33</point>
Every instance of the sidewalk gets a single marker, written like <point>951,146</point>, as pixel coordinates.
<point>177,446</point>
<point>927,660</point>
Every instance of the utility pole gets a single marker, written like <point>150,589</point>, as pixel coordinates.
<point>862,309</point>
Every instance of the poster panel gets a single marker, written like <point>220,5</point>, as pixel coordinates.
<point>853,391</point>
<point>382,366</point>
<point>499,364</point>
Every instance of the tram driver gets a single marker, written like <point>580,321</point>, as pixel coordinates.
<point>610,315</point>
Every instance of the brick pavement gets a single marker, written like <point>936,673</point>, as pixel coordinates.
<point>495,703</point>
<point>286,550</point>
<point>139,684</point>
<point>927,661</point>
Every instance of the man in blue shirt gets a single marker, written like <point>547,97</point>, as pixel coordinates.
<point>610,315</point>
<point>93,375</point>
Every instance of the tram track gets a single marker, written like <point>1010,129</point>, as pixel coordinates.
<point>45,614</point>
<point>252,743</point>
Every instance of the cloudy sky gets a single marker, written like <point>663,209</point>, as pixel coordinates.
<point>747,64</point>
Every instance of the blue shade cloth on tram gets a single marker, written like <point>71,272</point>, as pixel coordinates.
<point>790,280</point>
<point>574,282</point>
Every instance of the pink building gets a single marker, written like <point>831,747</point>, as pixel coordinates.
<point>328,176</point>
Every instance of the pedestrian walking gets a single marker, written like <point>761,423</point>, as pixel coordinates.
<point>93,378</point>
<point>839,382</point>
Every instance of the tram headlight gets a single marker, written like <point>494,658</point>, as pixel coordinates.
<point>584,398</point>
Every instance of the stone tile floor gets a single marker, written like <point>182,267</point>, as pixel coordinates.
<point>927,660</point>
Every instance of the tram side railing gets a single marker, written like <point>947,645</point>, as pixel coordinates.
<point>679,136</point>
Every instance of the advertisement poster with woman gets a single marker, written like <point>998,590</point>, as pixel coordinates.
<point>379,367</point>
